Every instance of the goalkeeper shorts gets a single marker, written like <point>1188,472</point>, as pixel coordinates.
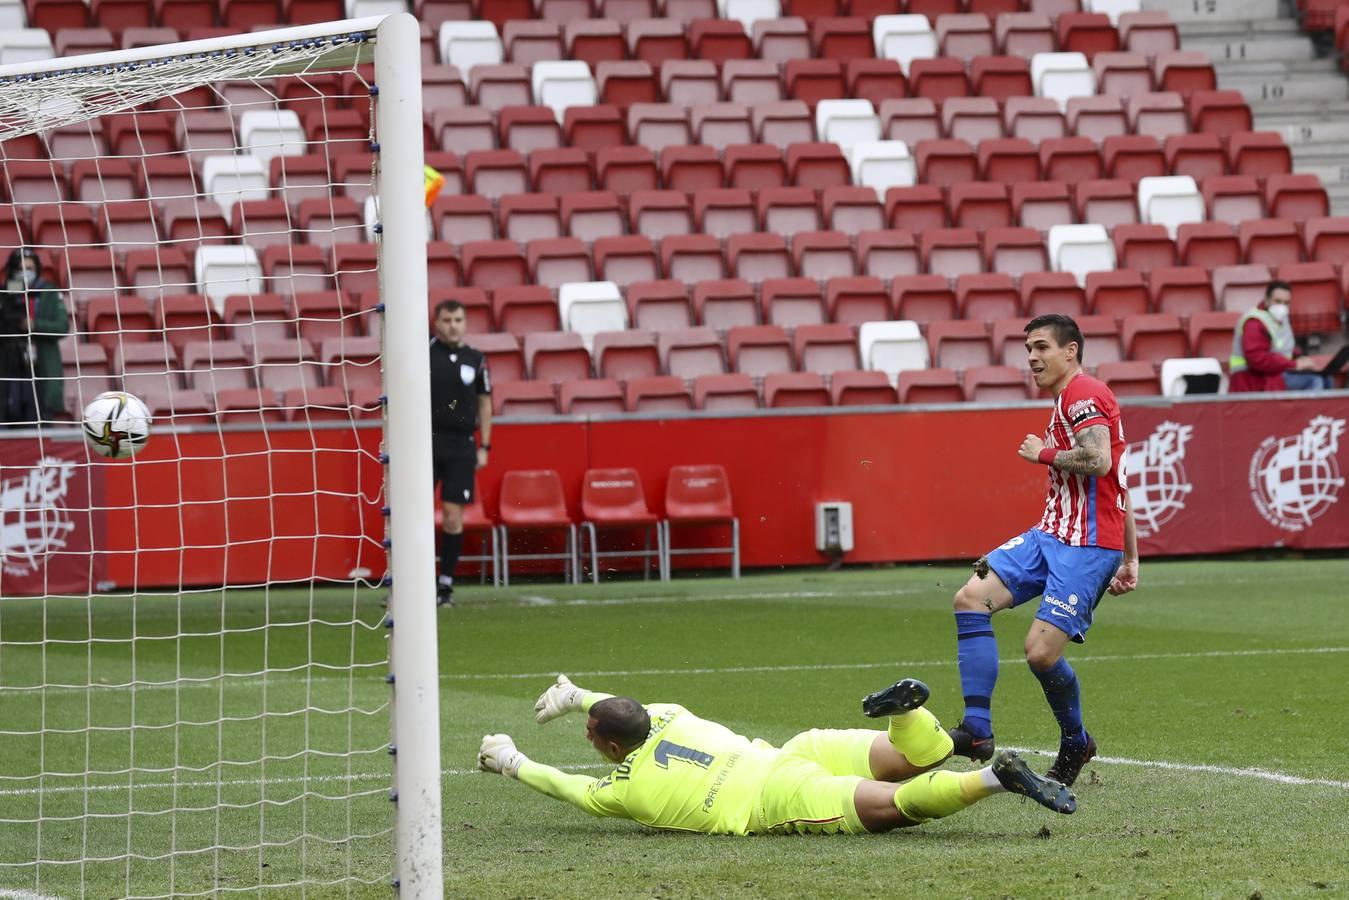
<point>811,787</point>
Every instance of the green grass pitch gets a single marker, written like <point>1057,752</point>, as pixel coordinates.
<point>1217,694</point>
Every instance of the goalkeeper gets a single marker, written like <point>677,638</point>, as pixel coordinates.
<point>674,770</point>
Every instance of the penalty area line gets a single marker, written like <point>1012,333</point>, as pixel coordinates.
<point>1202,768</point>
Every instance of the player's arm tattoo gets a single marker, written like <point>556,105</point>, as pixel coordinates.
<point>1091,456</point>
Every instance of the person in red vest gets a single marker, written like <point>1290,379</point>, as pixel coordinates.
<point>1264,355</point>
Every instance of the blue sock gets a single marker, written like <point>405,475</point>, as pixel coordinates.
<point>977,653</point>
<point>1060,684</point>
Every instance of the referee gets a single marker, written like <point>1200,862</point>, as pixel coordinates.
<point>461,403</point>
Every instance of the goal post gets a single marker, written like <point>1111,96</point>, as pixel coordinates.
<point>210,652</point>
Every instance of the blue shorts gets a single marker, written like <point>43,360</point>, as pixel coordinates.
<point>1071,579</point>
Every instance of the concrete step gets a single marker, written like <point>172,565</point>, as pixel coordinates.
<point>1278,87</point>
<point>1239,30</point>
<point>1332,170</point>
<point>1285,49</point>
<point>1315,136</point>
<point>1215,10</point>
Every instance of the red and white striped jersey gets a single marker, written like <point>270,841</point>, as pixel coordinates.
<point>1084,510</point>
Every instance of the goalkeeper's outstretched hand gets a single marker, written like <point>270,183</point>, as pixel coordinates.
<point>561,698</point>
<point>498,754</point>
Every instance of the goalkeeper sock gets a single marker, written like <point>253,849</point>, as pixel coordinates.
<point>977,654</point>
<point>451,545</point>
<point>935,795</point>
<point>919,737</point>
<point>1060,685</point>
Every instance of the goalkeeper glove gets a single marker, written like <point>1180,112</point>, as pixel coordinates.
<point>561,698</point>
<point>498,754</point>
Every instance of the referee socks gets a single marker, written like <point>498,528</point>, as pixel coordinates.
<point>977,654</point>
<point>451,545</point>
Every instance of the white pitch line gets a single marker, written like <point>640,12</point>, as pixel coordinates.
<point>6,894</point>
<point>896,665</point>
<point>1262,774</point>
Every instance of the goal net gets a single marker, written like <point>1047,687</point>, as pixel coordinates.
<point>217,657</point>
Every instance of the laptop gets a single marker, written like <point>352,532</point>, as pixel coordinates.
<point>1337,362</point>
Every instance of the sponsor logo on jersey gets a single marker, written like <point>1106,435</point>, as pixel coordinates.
<point>1069,608</point>
<point>1294,479</point>
<point>1083,410</point>
<point>1158,483</point>
<point>34,521</point>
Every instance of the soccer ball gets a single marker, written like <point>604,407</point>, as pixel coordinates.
<point>116,424</point>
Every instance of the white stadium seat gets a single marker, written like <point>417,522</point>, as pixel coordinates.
<point>230,179</point>
<point>22,45</point>
<point>1175,370</point>
<point>226,269</point>
<point>1081,249</point>
<point>590,307</point>
<point>559,84</point>
<point>747,12</point>
<point>265,133</point>
<point>892,347</point>
<point>904,38</point>
<point>468,44</point>
<point>1112,8</point>
<point>1061,76</point>
<point>882,164</point>
<point>12,15</point>
<point>846,122</point>
<point>359,9</point>
<point>1170,200</point>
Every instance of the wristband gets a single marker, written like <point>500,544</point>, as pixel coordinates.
<point>1047,456</point>
<point>485,447</point>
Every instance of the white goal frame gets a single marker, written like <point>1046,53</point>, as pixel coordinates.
<point>413,657</point>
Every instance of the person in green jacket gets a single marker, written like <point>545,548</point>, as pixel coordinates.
<point>34,385</point>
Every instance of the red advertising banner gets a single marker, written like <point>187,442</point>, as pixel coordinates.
<point>291,504</point>
<point>47,519</point>
<point>1219,477</point>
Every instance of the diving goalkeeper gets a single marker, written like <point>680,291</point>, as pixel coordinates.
<point>674,770</point>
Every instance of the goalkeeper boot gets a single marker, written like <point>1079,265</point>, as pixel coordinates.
<point>1013,774</point>
<point>1074,753</point>
<point>444,591</point>
<point>967,743</point>
<point>899,697</point>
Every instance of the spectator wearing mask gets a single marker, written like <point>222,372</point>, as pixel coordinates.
<point>1264,354</point>
<point>33,319</point>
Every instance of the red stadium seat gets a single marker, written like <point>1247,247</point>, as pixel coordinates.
<point>725,304</point>
<point>1041,205</point>
<point>1050,292</point>
<point>659,305</point>
<point>791,302</point>
<point>996,384</point>
<point>1015,251</point>
<point>959,344</point>
<point>813,80</point>
<point>523,398</point>
<point>1296,197</point>
<point>887,253</point>
<point>700,496</point>
<point>862,389</point>
<point>1149,32</point>
<point>984,298</point>
<point>1086,33</point>
<point>1069,159</point>
<point>1327,239</point>
<point>951,251</point>
<point>852,301</point>
<point>1211,333</point>
<point>1184,71</point>
<point>754,167</point>
<point>725,393</point>
<point>946,162</point>
<point>556,356</point>
<point>502,353</point>
<point>558,261</point>
<point>528,128</point>
<point>1025,34</point>
<point>660,214</point>
<point>758,257</point>
<point>1232,198</point>
<point>1317,297</point>
<point>692,258</point>
<point>627,354</point>
<point>823,254</point>
<point>624,170</point>
<point>1258,153</point>
<point>972,119</point>
<point>690,168</point>
<point>938,79</point>
<point>876,80</point>
<point>1143,247</point>
<point>923,298</point>
<point>788,210</point>
<point>910,120</point>
<point>980,205</point>
<point>527,42</point>
<point>613,500</point>
<point>1271,242</point>
<point>826,349</point>
<point>657,41</point>
<point>1097,117</point>
<point>1130,379</point>
<point>852,209</point>
<point>1154,337</point>
<point>590,128</point>
<point>662,393</point>
<point>795,389</point>
<point>1123,75</point>
<point>751,81</point>
<point>1208,244</point>
<point>526,217</point>
<point>1240,287</point>
<point>1196,155</point>
<point>1101,334</point>
<point>1222,113</point>
<point>284,365</point>
<point>590,215</point>
<point>494,264</point>
<point>596,396</point>
<point>788,123</point>
<point>1157,113</point>
<point>965,36</point>
<point>841,38</point>
<point>248,406</point>
<point>689,353</point>
<point>1116,294</point>
<point>759,349</point>
<point>930,386</point>
<point>522,309</point>
<point>593,41</point>
<point>1182,291</point>
<point>918,209</point>
<point>625,260</point>
<point>320,315</point>
<point>1009,161</point>
<point>1008,338</point>
<point>721,213</point>
<point>1132,157</point>
<point>1034,118</point>
<point>1106,202</point>
<point>464,219</point>
<point>622,83</point>
<point>1001,77</point>
<point>659,126</point>
<point>721,125</point>
<point>533,501</point>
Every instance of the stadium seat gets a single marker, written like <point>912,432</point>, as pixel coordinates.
<point>1221,113</point>
<point>555,357</point>
<point>625,260</point>
<point>220,271</point>
<point>851,210</point>
<point>720,40</point>
<point>1149,32</point>
<point>1102,336</point>
<point>1179,376</point>
<point>1124,75</point>
<point>1170,200</point>
<point>923,298</point>
<point>692,258</point>
<point>846,122</point>
<point>1060,76</point>
<point>757,350</point>
<point>1259,154</point>
<point>1196,155</point>
<point>1069,159</point>
<point>700,496</point>
<point>787,123</point>
<point>590,215</point>
<point>1184,71</point>
<point>995,384</point>
<point>1161,113</point>
<point>658,394</point>
<point>1001,78</point>
<point>725,303</point>
<point>1271,242</point>
<point>625,170</point>
<point>523,398</point>
<point>1208,244</point>
<point>1233,198</point>
<point>795,390</point>
<point>528,128</point>
<point>1015,251</point>
<point>929,386</point>
<point>613,500</point>
<point>1009,161</point>
<point>1080,249</point>
<point>910,120</point>
<point>692,352</point>
<point>852,301</point>
<point>217,365</point>
<point>792,302</point>
<point>595,396</point>
<point>916,208</point>
<point>758,257</point>
<point>788,210</point>
<point>984,298</point>
<point>725,393</point>
<point>821,255</point>
<point>825,349</point>
<point>284,365</point>
<point>625,355</point>
<point>980,205</point>
<point>1130,378</point>
<point>527,42</point>
<point>971,119</point>
<point>521,309</point>
<point>892,347</point>
<point>1153,337</point>
<point>1049,292</point>
<point>874,80</point>
<point>1134,157</point>
<point>904,38</point>
<point>1181,291</point>
<point>1327,239</point>
<point>1041,205</point>
<point>959,344</point>
<point>659,126</point>
<point>1299,197</point>
<point>882,165</point>
<point>1097,118</point>
<point>102,180</point>
<point>1143,247</point>
<point>1240,287</point>
<point>1211,332</point>
<point>887,253</point>
<point>660,214</point>
<point>951,251</point>
<point>1033,118</point>
<point>504,358</point>
<point>938,79</point>
<point>721,126</point>
<point>465,45</point>
<point>946,162</point>
<point>533,501</point>
<point>862,389</point>
<point>1317,297</point>
<point>1116,294</point>
<point>656,41</point>
<point>589,128</point>
<point>252,318</point>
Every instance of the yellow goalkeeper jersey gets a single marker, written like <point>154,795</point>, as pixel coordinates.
<point>689,775</point>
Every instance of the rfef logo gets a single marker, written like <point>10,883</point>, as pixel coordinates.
<point>34,520</point>
<point>1295,479</point>
<point>1158,484</point>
